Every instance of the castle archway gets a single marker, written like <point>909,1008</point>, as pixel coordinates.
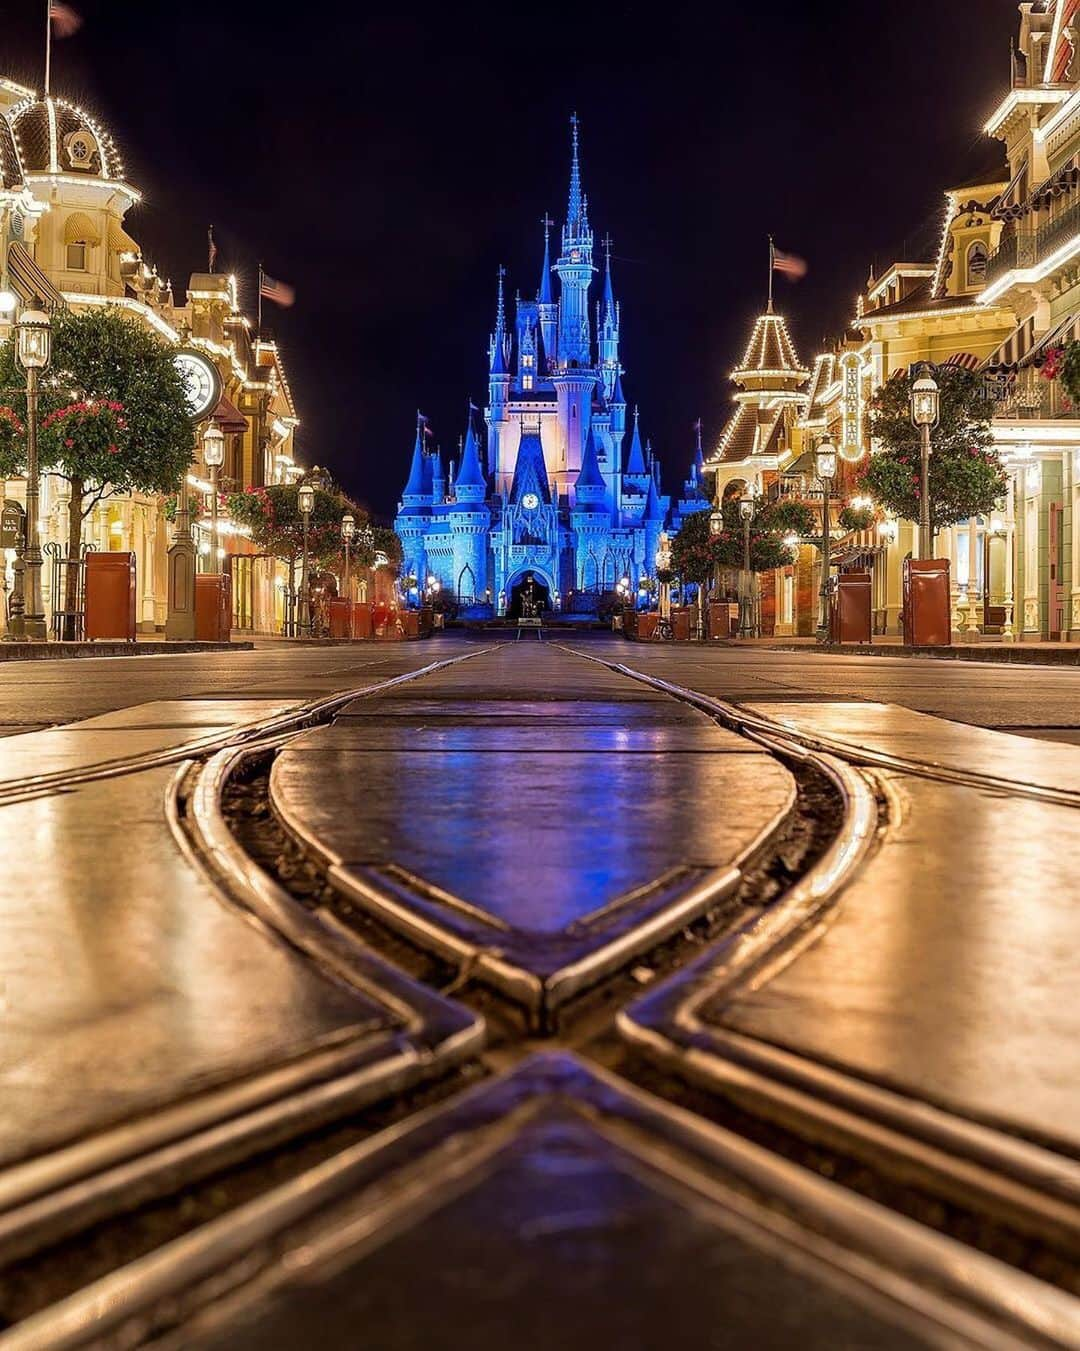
<point>543,584</point>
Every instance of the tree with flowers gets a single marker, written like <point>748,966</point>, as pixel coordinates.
<point>696,552</point>
<point>967,477</point>
<point>113,414</point>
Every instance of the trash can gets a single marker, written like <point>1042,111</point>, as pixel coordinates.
<point>680,623</point>
<point>927,612</point>
<point>213,607</point>
<point>340,618</point>
<point>361,620</point>
<point>850,609</point>
<point>110,596</point>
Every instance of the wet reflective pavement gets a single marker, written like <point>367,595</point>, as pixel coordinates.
<point>536,825</point>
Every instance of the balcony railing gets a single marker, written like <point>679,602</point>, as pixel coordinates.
<point>1031,247</point>
<point>1027,397</point>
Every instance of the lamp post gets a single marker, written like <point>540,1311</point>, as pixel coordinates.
<point>663,566</point>
<point>746,599</point>
<point>305,497</point>
<point>348,530</point>
<point>33,348</point>
<point>925,414</point>
<point>214,458</point>
<point>825,464</point>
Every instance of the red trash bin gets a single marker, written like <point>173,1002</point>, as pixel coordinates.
<point>927,608</point>
<point>110,596</point>
<point>361,620</point>
<point>213,607</point>
<point>850,609</point>
<point>340,619</point>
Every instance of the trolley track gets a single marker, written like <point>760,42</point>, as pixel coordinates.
<point>225,820</point>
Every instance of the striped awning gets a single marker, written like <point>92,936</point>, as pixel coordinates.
<point>80,229</point>
<point>29,282</point>
<point>1021,348</point>
<point>965,360</point>
<point>1011,202</point>
<point>119,239</point>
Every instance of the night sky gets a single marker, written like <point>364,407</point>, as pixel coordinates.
<point>385,162</point>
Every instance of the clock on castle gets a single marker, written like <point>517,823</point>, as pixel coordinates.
<point>549,492</point>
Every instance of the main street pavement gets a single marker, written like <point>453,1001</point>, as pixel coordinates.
<point>991,695</point>
<point>705,989</point>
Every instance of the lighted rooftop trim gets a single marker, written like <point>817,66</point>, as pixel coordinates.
<point>82,180</point>
<point>1068,106</point>
<point>126,303</point>
<point>898,271</point>
<point>1018,97</point>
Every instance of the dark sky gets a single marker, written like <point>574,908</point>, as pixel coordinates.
<point>385,160</point>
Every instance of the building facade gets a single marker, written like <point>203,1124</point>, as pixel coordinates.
<point>554,491</point>
<point>64,238</point>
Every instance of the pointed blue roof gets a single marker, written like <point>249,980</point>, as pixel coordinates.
<point>574,202</point>
<point>470,475</point>
<point>498,341</point>
<point>415,485</point>
<point>609,293</point>
<point>543,296</point>
<point>635,463</point>
<point>530,471</point>
<point>653,510</point>
<point>590,475</point>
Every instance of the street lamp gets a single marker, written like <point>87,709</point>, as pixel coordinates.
<point>746,599</point>
<point>305,497</point>
<point>33,348</point>
<point>925,413</point>
<point>348,530</point>
<point>214,458</point>
<point>825,465</point>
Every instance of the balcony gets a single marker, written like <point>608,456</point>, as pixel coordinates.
<point>1027,397</point>
<point>1031,247</point>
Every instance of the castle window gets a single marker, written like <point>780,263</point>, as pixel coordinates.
<point>528,361</point>
<point>526,382</point>
<point>76,257</point>
<point>976,264</point>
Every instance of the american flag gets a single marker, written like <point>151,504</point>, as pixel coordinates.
<point>66,22</point>
<point>789,265</point>
<point>277,291</point>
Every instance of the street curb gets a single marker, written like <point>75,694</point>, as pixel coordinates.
<point>1024,656</point>
<point>22,651</point>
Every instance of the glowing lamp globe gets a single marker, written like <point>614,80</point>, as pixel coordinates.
<point>716,523</point>
<point>306,499</point>
<point>825,461</point>
<point>348,526</point>
<point>213,447</point>
<point>746,508</point>
<point>925,400</point>
<point>35,339</point>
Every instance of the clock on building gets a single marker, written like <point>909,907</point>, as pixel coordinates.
<point>530,501</point>
<point>202,383</point>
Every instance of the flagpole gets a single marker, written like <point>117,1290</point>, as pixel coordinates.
<point>772,270</point>
<point>48,43</point>
<point>258,322</point>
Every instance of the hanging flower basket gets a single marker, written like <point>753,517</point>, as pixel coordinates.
<point>853,519</point>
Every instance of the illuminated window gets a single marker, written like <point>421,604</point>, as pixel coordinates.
<point>76,257</point>
<point>526,382</point>
<point>528,361</point>
<point>976,264</point>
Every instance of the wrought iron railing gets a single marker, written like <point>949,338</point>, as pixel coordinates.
<point>1028,248</point>
<point>1027,396</point>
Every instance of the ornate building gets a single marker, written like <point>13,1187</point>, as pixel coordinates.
<point>553,496</point>
<point>64,200</point>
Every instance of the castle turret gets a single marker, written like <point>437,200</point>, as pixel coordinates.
<point>607,329</point>
<point>470,520</point>
<point>575,269</point>
<point>499,381</point>
<point>414,514</point>
<point>546,307</point>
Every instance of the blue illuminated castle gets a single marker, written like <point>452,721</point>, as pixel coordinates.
<point>553,494</point>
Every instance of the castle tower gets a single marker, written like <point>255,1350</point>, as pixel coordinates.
<point>607,329</point>
<point>547,310</point>
<point>470,521</point>
<point>414,513</point>
<point>497,414</point>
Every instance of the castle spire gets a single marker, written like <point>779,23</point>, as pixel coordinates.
<point>635,463</point>
<point>415,486</point>
<point>498,341</point>
<point>470,484</point>
<point>575,207</point>
<point>609,293</point>
<point>543,295</point>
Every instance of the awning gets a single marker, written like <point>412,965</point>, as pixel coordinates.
<point>120,240</point>
<point>1014,355</point>
<point>1013,350</point>
<point>1010,204</point>
<point>28,280</point>
<point>228,417</point>
<point>965,360</point>
<point>80,229</point>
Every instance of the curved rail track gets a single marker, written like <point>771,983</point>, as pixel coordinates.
<point>439,1029</point>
